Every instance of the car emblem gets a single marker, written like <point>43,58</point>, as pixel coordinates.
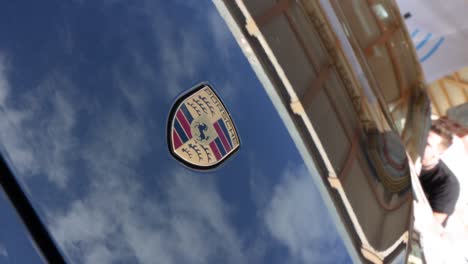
<point>201,132</point>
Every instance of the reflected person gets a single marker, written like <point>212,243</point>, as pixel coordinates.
<point>438,181</point>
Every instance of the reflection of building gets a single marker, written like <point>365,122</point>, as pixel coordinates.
<point>449,92</point>
<point>339,92</point>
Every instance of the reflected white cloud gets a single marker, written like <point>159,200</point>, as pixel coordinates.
<point>4,85</point>
<point>186,222</point>
<point>12,120</point>
<point>297,218</point>
<point>36,117</point>
<point>179,51</point>
<point>57,124</point>
<point>182,51</point>
<point>221,34</point>
<point>3,251</point>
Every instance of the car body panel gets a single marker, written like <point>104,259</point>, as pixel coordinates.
<point>88,88</point>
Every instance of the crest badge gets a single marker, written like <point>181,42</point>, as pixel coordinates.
<point>201,132</point>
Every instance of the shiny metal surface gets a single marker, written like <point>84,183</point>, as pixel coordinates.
<point>324,88</point>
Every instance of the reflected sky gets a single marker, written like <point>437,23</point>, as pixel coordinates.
<point>85,92</point>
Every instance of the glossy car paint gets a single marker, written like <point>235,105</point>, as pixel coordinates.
<point>86,90</point>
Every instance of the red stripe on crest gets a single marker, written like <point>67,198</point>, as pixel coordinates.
<point>215,150</point>
<point>176,139</point>
<point>185,125</point>
<point>222,137</point>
